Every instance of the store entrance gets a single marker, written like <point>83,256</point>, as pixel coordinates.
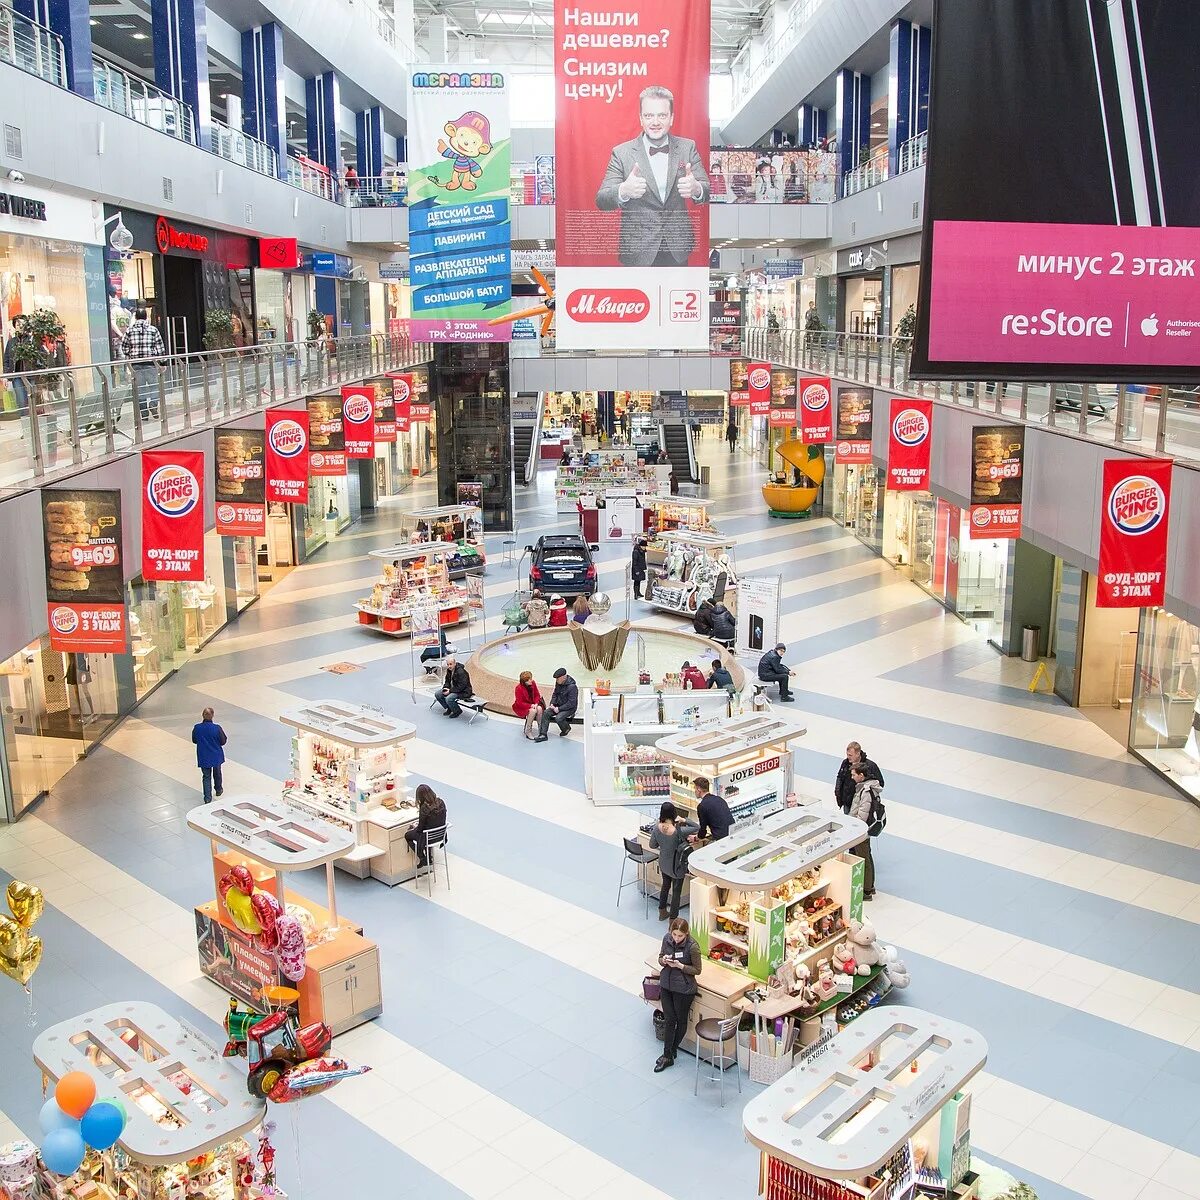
<point>183,306</point>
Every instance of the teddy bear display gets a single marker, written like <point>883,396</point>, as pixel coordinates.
<point>868,953</point>
<point>825,985</point>
<point>793,977</point>
<point>843,959</point>
<point>895,970</point>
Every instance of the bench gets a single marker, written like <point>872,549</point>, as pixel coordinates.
<point>475,705</point>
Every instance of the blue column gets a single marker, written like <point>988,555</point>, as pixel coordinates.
<point>368,128</point>
<point>181,57</point>
<point>264,111</point>
<point>853,116</point>
<point>322,106</point>
<point>402,150</point>
<point>69,19</point>
<point>922,53</point>
<point>908,87</point>
<point>813,124</point>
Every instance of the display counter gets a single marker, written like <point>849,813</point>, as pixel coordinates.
<point>669,513</point>
<point>587,482</point>
<point>695,565</point>
<point>458,525</point>
<point>414,577</point>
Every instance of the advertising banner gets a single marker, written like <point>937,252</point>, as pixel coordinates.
<point>85,578</point>
<point>385,411</point>
<point>1133,533</point>
<point>460,231</point>
<point>854,425</point>
<point>910,439</point>
<point>287,456</point>
<point>421,408</point>
<point>358,419</point>
<point>758,386</point>
<point>997,482</point>
<point>402,394</point>
<point>1084,267</point>
<point>424,623</point>
<point>758,613</point>
<point>173,514</point>
<point>620,519</point>
<point>470,492</point>
<point>240,493</point>
<point>724,327</point>
<point>816,410</point>
<point>631,174</point>
<point>783,398</point>
<point>739,383</point>
<point>475,593</point>
<point>326,437</point>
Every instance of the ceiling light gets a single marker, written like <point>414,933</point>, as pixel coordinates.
<point>139,37</point>
<point>93,21</point>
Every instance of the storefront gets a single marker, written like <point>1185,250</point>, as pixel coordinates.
<point>330,274</point>
<point>877,282</point>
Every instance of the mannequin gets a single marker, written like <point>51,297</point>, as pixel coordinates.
<point>79,677</point>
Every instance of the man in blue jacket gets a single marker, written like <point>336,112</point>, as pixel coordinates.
<point>209,740</point>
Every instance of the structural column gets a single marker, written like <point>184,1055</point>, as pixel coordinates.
<point>181,57</point>
<point>908,87</point>
<point>69,19</point>
<point>813,125</point>
<point>264,109</point>
<point>368,140</point>
<point>853,117</point>
<point>323,105</point>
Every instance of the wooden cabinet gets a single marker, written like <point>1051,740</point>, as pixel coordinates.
<point>343,987</point>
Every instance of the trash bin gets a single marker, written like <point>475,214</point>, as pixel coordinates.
<point>1031,640</point>
<point>704,473</point>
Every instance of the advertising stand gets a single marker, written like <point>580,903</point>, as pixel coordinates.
<point>459,525</point>
<point>758,600</point>
<point>696,566</point>
<point>413,575</point>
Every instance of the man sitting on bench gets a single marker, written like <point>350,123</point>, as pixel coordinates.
<point>772,669</point>
<point>456,687</point>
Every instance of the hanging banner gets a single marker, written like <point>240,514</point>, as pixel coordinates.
<point>739,384</point>
<point>909,443</point>
<point>631,174</point>
<point>424,622</point>
<point>1133,533</point>
<point>241,508</point>
<point>475,592</point>
<point>758,599</point>
<point>85,579</point>
<point>173,514</point>
<point>287,456</point>
<point>402,390</point>
<point>816,411</point>
<point>421,408</point>
<point>460,158</point>
<point>385,412</point>
<point>854,425</point>
<point>758,384</point>
<point>358,419</point>
<point>326,437</point>
<point>783,398</point>
<point>997,465</point>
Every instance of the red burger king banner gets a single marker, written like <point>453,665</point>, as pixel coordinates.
<point>173,514</point>
<point>287,456</point>
<point>816,410</point>
<point>758,384</point>
<point>358,419</point>
<point>1133,533</point>
<point>402,392</point>
<point>385,412</point>
<point>910,438</point>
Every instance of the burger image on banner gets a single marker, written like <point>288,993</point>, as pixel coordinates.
<point>855,425</point>
<point>783,398</point>
<point>739,385</point>
<point>240,487</point>
<point>172,515</point>
<point>997,484</point>
<point>326,435</point>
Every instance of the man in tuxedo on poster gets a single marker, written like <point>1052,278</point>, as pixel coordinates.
<point>651,180</point>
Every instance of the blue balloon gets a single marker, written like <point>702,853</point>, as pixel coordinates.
<point>52,1117</point>
<point>102,1124</point>
<point>63,1151</point>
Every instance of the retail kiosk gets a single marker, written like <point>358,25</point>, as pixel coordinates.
<point>458,524</point>
<point>586,482</point>
<point>878,1114</point>
<point>413,576</point>
<point>669,513</point>
<point>341,982</point>
<point>189,1112</point>
<point>697,565</point>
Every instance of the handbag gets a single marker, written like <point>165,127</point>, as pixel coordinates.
<point>651,989</point>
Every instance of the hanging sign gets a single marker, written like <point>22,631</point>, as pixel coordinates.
<point>326,437</point>
<point>816,410</point>
<point>739,385</point>
<point>287,456</point>
<point>402,397</point>
<point>241,508</point>
<point>854,425</point>
<point>997,483</point>
<point>758,383</point>
<point>783,398</point>
<point>1133,533</point>
<point>173,514</point>
<point>910,438</point>
<point>358,419</point>
<point>421,408</point>
<point>385,411</point>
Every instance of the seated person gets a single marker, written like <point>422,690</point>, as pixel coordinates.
<point>693,677</point>
<point>433,653</point>
<point>537,611</point>
<point>528,703</point>
<point>456,687</point>
<point>702,622</point>
<point>772,669</point>
<point>581,610</point>
<point>724,626</point>
<point>564,700</point>
<point>431,814</point>
<point>558,613</point>
<point>711,812</point>
<point>719,677</point>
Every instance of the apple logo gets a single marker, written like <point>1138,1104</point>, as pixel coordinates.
<point>1150,326</point>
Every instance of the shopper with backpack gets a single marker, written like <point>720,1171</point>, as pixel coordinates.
<point>867,807</point>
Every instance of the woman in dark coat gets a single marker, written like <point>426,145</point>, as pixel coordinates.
<point>637,566</point>
<point>431,814</point>
<point>679,960</point>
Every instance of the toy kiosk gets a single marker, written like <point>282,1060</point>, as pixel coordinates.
<point>880,1114</point>
<point>669,513</point>
<point>460,525</point>
<point>411,575</point>
<point>697,565</point>
<point>189,1113</point>
<point>255,842</point>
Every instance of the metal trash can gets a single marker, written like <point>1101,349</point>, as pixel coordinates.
<point>704,473</point>
<point>1031,640</point>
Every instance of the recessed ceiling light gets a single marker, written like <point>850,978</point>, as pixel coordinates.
<point>139,37</point>
<point>93,21</point>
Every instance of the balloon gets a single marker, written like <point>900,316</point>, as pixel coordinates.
<point>63,1151</point>
<point>290,952</point>
<point>75,1092</point>
<point>52,1117</point>
<point>235,888</point>
<point>20,952</point>
<point>267,912</point>
<point>102,1124</point>
<point>25,902</point>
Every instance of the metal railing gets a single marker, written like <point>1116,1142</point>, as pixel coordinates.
<point>70,416</point>
<point>750,69</point>
<point>314,179</point>
<point>239,147</point>
<point>866,175</point>
<point>32,47</point>
<point>1150,419</point>
<point>142,102</point>
<point>379,191</point>
<point>913,153</point>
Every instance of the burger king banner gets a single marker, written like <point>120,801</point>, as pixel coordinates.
<point>855,425</point>
<point>816,410</point>
<point>1133,533</point>
<point>241,509</point>
<point>997,481</point>
<point>758,384</point>
<point>173,514</point>
<point>326,437</point>
<point>783,398</point>
<point>402,392</point>
<point>385,411</point>
<point>421,408</point>
<point>910,437</point>
<point>85,577</point>
<point>287,456</point>
<point>739,388</point>
<point>358,419</point>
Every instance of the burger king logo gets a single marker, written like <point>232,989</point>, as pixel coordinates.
<point>844,448</point>
<point>64,619</point>
<point>911,427</point>
<point>226,514</point>
<point>287,438</point>
<point>1136,505</point>
<point>981,518</point>
<point>400,390</point>
<point>317,460</point>
<point>357,409</point>
<point>173,491</point>
<point>760,378</point>
<point>815,397</point>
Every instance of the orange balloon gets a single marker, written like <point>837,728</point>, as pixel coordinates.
<point>75,1092</point>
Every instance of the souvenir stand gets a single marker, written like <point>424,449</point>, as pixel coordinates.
<point>412,575</point>
<point>340,983</point>
<point>669,513</point>
<point>879,1114</point>
<point>697,565</point>
<point>459,525</point>
<point>189,1112</point>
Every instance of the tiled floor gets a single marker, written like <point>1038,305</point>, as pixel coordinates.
<point>1041,885</point>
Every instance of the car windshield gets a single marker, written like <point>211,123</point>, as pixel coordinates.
<point>564,557</point>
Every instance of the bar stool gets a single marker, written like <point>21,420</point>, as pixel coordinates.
<point>510,549</point>
<point>435,839</point>
<point>639,855</point>
<point>717,1034</point>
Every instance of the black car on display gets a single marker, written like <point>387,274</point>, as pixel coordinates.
<point>562,563</point>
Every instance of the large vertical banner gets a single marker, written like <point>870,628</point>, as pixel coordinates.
<point>739,384</point>
<point>287,456</point>
<point>631,135</point>
<point>326,437</point>
<point>758,386</point>
<point>85,578</point>
<point>241,508</point>
<point>909,444</point>
<point>402,391</point>
<point>816,410</point>
<point>459,228</point>
<point>421,409</point>
<point>855,425</point>
<point>385,411</point>
<point>758,600</point>
<point>358,419</point>
<point>1081,264</point>
<point>1133,533</point>
<point>997,480</point>
<point>783,398</point>
<point>173,514</point>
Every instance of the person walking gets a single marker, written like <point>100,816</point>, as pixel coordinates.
<point>867,807</point>
<point>456,687</point>
<point>843,787</point>
<point>142,347</point>
<point>679,960</point>
<point>528,703</point>
<point>637,566</point>
<point>564,700</point>
<point>772,669</point>
<point>670,838</point>
<point>431,814</point>
<point>209,739</point>
<point>731,434</point>
<point>711,810</point>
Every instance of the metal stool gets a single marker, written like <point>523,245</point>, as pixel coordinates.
<point>435,839</point>
<point>639,855</point>
<point>717,1033</point>
<point>510,550</point>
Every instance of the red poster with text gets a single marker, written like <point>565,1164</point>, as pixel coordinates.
<point>758,384</point>
<point>402,397</point>
<point>358,419</point>
<point>326,437</point>
<point>287,456</point>
<point>816,410</point>
<point>1133,533</point>
<point>910,438</point>
<point>173,514</point>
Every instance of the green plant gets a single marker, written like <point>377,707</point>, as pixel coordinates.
<point>864,155</point>
<point>38,344</point>
<point>218,329</point>
<point>316,324</point>
<point>906,327</point>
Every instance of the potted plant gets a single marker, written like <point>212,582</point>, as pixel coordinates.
<point>906,329</point>
<point>38,344</point>
<point>316,325</point>
<point>218,329</point>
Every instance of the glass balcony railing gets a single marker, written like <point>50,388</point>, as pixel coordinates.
<point>142,102</point>
<point>32,47</point>
<point>241,148</point>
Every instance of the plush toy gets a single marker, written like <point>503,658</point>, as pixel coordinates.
<point>793,976</point>
<point>825,986</point>
<point>868,952</point>
<point>843,959</point>
<point>895,969</point>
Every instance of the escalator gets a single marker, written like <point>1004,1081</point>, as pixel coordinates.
<point>528,408</point>
<point>522,441</point>
<point>676,439</point>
